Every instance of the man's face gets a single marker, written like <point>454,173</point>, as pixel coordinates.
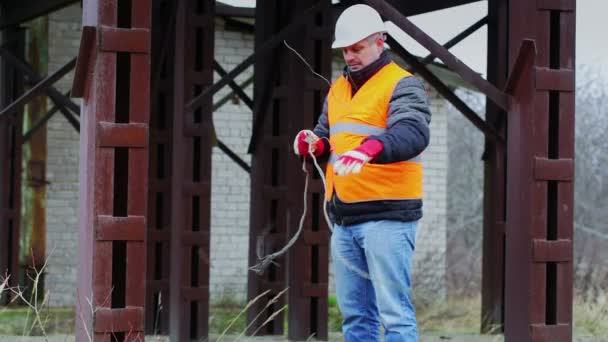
<point>363,52</point>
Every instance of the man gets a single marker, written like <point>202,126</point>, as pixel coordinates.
<point>374,126</point>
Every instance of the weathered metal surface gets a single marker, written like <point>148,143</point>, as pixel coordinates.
<point>445,91</point>
<point>308,259</point>
<point>267,45</point>
<point>113,181</point>
<point>33,217</point>
<point>494,157</point>
<point>160,168</point>
<point>33,78</point>
<point>11,86</point>
<point>84,61</point>
<point>235,87</point>
<point>276,188</point>
<point>268,207</point>
<point>38,88</point>
<point>538,288</point>
<point>191,178</point>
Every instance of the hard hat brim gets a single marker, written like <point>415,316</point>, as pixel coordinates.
<point>338,44</point>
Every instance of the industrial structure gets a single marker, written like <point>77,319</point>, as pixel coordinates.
<point>145,73</point>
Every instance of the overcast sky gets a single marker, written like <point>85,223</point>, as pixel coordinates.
<point>591,27</point>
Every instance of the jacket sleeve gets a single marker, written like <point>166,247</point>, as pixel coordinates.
<point>322,128</point>
<point>407,133</point>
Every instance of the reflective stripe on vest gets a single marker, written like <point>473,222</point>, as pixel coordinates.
<point>351,120</point>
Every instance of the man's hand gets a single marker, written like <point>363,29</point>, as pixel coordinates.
<point>306,141</point>
<point>353,160</point>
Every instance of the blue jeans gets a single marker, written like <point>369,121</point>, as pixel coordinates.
<point>371,264</point>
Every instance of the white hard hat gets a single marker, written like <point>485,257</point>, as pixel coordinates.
<point>355,23</point>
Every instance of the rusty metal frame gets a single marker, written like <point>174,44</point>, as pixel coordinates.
<point>41,122</point>
<point>446,92</point>
<point>235,87</point>
<point>494,157</point>
<point>308,259</point>
<point>160,169</point>
<point>11,84</point>
<point>191,179</point>
<point>540,196</point>
<point>33,78</point>
<point>268,45</point>
<point>230,95</point>
<point>390,13</point>
<point>113,174</point>
<point>40,87</point>
<point>268,220</point>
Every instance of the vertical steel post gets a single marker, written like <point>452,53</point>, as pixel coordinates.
<point>191,179</point>
<point>268,219</point>
<point>538,292</point>
<point>113,172</point>
<point>308,260</point>
<point>159,191</point>
<point>11,127</point>
<point>493,267</point>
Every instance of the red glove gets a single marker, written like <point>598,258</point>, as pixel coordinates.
<point>307,141</point>
<point>353,160</point>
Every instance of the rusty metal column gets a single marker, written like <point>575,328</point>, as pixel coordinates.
<point>308,259</point>
<point>159,191</point>
<point>538,293</point>
<point>193,139</point>
<point>11,126</point>
<point>268,219</point>
<point>493,262</point>
<point>114,63</point>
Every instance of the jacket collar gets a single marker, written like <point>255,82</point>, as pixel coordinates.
<point>359,77</point>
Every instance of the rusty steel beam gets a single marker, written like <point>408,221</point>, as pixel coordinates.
<point>41,122</point>
<point>308,259</point>
<point>17,12</point>
<point>235,157</point>
<point>11,85</point>
<point>494,158</point>
<point>33,78</point>
<point>160,169</point>
<point>113,208</point>
<point>38,88</point>
<point>540,196</point>
<point>235,87</point>
<point>271,43</point>
<point>445,91</point>
<point>163,39</point>
<point>230,95</point>
<point>192,142</point>
<point>390,13</point>
<point>268,221</point>
<point>260,108</point>
<point>458,38</point>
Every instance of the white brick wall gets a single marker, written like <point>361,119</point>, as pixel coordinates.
<point>230,190</point>
<point>429,264</point>
<point>230,183</point>
<point>62,167</point>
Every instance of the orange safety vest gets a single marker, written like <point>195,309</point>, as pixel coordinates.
<point>351,120</point>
